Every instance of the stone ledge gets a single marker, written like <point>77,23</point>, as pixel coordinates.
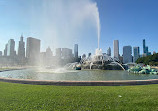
<point>81,83</point>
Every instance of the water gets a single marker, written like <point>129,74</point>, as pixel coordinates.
<point>73,75</point>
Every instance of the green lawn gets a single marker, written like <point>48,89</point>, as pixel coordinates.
<point>49,98</point>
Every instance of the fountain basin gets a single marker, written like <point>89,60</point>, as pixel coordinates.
<point>81,83</point>
<point>77,78</point>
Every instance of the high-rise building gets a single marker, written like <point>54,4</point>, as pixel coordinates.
<point>33,50</point>
<point>49,53</point>
<point>11,48</point>
<point>109,51</point>
<point>154,52</point>
<point>144,46</point>
<point>58,52</point>
<point>0,53</point>
<point>89,55</point>
<point>136,53</point>
<point>149,53</point>
<point>5,50</point>
<point>127,54</point>
<point>76,51</point>
<point>145,49</point>
<point>66,53</point>
<point>21,48</point>
<point>116,49</point>
<point>48,56</point>
<point>84,56</point>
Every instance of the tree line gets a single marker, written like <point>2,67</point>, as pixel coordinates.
<point>149,60</point>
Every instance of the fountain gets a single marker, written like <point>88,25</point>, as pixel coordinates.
<point>101,61</point>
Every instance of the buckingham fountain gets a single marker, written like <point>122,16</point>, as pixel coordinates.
<point>97,61</point>
<point>101,61</point>
<point>98,70</point>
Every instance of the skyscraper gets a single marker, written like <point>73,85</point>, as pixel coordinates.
<point>109,51</point>
<point>145,49</point>
<point>0,53</point>
<point>33,50</point>
<point>48,56</point>
<point>116,49</point>
<point>154,52</point>
<point>127,54</point>
<point>66,53</point>
<point>89,55</point>
<point>84,56</point>
<point>76,51</point>
<point>11,48</point>
<point>136,53</point>
<point>58,52</point>
<point>5,50</point>
<point>49,53</point>
<point>21,48</point>
<point>144,46</point>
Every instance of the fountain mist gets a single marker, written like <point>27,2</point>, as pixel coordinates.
<point>61,20</point>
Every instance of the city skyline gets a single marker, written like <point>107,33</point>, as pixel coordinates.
<point>131,24</point>
<point>21,47</point>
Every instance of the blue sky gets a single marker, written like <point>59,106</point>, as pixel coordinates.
<point>55,22</point>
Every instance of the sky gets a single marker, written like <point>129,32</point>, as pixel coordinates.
<point>63,23</point>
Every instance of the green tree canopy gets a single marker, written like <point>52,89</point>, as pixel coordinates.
<point>149,60</point>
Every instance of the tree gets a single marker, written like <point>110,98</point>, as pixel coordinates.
<point>149,60</point>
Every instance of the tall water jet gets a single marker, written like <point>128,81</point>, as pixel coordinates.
<point>97,19</point>
<point>69,17</point>
<point>98,27</point>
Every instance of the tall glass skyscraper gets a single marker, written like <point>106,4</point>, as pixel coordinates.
<point>76,51</point>
<point>58,52</point>
<point>116,49</point>
<point>144,46</point>
<point>109,51</point>
<point>136,53</point>
<point>5,50</point>
<point>11,48</point>
<point>127,54</point>
<point>145,49</point>
<point>21,48</point>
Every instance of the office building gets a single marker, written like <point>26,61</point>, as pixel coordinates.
<point>136,53</point>
<point>49,53</point>
<point>89,55</point>
<point>48,56</point>
<point>11,48</point>
<point>84,56</point>
<point>145,49</point>
<point>33,50</point>
<point>116,49</point>
<point>154,52</point>
<point>127,54</point>
<point>58,52</point>
<point>109,51</point>
<point>0,53</point>
<point>21,48</point>
<point>5,50</point>
<point>66,53</point>
<point>144,46</point>
<point>149,53</point>
<point>76,51</point>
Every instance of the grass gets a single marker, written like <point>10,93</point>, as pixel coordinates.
<point>81,98</point>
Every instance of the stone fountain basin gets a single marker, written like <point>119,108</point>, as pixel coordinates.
<point>81,83</point>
